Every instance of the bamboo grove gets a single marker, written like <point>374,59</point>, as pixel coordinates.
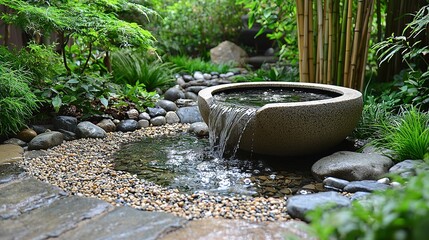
<point>333,40</point>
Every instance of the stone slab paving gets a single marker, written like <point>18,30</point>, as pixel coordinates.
<point>10,153</point>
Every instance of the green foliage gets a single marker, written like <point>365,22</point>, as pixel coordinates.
<point>194,26</point>
<point>375,111</point>
<point>137,95</point>
<point>134,67</point>
<point>392,214</point>
<point>278,18</point>
<point>412,83</point>
<point>17,102</point>
<point>86,93</point>
<point>191,65</point>
<point>407,135</point>
<point>274,73</point>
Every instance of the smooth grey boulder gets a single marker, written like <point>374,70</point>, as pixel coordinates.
<point>41,128</point>
<point>227,52</point>
<point>171,117</point>
<point>298,205</point>
<point>88,129</point>
<point>352,166</point>
<point>174,93</point>
<point>144,116</point>
<point>198,75</point>
<point>191,95</point>
<point>68,136</point>
<point>156,111</point>
<point>406,168</point>
<point>335,183</point>
<point>67,123</point>
<point>158,121</point>
<point>199,128</point>
<point>189,114</point>
<point>143,123</point>
<point>365,186</point>
<point>107,124</point>
<point>127,125</point>
<point>167,105</point>
<point>46,140</point>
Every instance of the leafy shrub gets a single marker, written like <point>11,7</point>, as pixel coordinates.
<point>194,26</point>
<point>17,102</point>
<point>85,94</point>
<point>392,214</point>
<point>133,67</point>
<point>407,135</point>
<point>274,73</point>
<point>191,65</point>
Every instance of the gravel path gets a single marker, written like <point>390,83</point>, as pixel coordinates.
<point>84,167</point>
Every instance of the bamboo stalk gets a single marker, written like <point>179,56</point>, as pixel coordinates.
<point>311,47</point>
<point>368,26</point>
<point>334,26</point>
<point>320,60</point>
<point>305,75</point>
<point>300,29</point>
<point>348,43</point>
<point>340,71</point>
<point>356,38</point>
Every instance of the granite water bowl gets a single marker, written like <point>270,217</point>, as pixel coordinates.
<point>294,128</point>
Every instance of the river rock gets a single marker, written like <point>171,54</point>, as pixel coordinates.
<point>158,121</point>
<point>144,116</point>
<point>15,141</point>
<point>227,52</point>
<point>127,125</point>
<point>171,117</point>
<point>406,168</point>
<point>133,114</point>
<point>191,95</point>
<point>187,78</point>
<point>298,205</point>
<point>167,105</point>
<point>335,183</point>
<point>365,186</point>
<point>207,76</point>
<point>198,75</point>
<point>352,166</point>
<point>359,195</point>
<point>46,140</point>
<point>26,134</point>
<point>68,136</point>
<point>199,128</point>
<point>189,114</point>
<point>107,124</point>
<point>67,123</point>
<point>173,94</point>
<point>143,123</point>
<point>195,89</point>
<point>88,129</point>
<point>156,111</point>
<point>41,128</point>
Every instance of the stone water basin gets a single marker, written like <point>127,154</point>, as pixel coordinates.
<point>285,128</point>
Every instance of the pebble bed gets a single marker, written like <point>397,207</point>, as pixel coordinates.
<point>84,167</point>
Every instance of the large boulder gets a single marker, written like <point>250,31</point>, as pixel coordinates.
<point>298,205</point>
<point>352,166</point>
<point>189,114</point>
<point>227,52</point>
<point>67,123</point>
<point>46,140</point>
<point>87,129</point>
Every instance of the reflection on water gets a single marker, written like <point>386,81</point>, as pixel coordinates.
<point>186,162</point>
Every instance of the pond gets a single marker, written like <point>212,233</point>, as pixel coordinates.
<point>186,163</point>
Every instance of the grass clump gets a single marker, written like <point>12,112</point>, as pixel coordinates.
<point>191,65</point>
<point>407,135</point>
<point>17,102</point>
<point>135,68</point>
